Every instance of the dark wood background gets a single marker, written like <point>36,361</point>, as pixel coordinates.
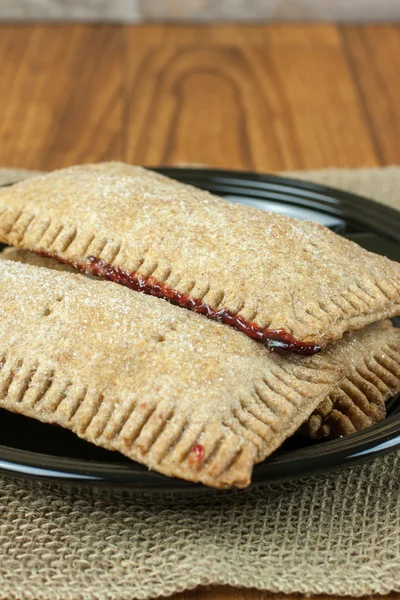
<point>264,98</point>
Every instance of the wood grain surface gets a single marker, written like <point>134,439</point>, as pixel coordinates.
<point>263,98</point>
<point>228,593</point>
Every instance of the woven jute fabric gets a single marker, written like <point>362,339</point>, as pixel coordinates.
<point>334,534</point>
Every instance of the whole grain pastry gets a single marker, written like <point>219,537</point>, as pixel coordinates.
<point>356,404</point>
<point>183,395</point>
<point>359,402</point>
<point>288,283</point>
<point>30,258</point>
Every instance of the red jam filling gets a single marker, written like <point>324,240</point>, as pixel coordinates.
<point>196,455</point>
<point>278,339</point>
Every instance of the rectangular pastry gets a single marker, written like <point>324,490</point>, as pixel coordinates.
<point>290,284</point>
<point>184,395</point>
<point>356,404</point>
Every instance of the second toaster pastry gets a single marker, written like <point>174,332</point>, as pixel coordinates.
<point>293,285</point>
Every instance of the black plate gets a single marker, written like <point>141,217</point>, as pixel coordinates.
<point>47,453</point>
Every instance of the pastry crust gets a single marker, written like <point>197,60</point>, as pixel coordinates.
<point>183,395</point>
<point>30,258</point>
<point>359,402</point>
<point>356,404</point>
<point>273,277</point>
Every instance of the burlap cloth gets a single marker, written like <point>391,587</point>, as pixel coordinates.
<point>336,534</point>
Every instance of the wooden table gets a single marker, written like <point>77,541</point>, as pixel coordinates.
<point>263,98</point>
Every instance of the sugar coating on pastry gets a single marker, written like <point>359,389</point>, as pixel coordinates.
<point>184,395</point>
<point>288,283</point>
<point>358,403</point>
<point>30,258</point>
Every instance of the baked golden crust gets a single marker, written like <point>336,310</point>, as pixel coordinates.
<point>242,265</point>
<point>184,395</point>
<point>359,402</point>
<point>356,404</point>
<point>30,258</point>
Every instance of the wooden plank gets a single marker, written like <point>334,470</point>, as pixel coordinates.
<point>374,55</point>
<point>281,99</point>
<point>234,34</point>
<point>265,98</point>
<point>62,95</point>
<point>229,593</point>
